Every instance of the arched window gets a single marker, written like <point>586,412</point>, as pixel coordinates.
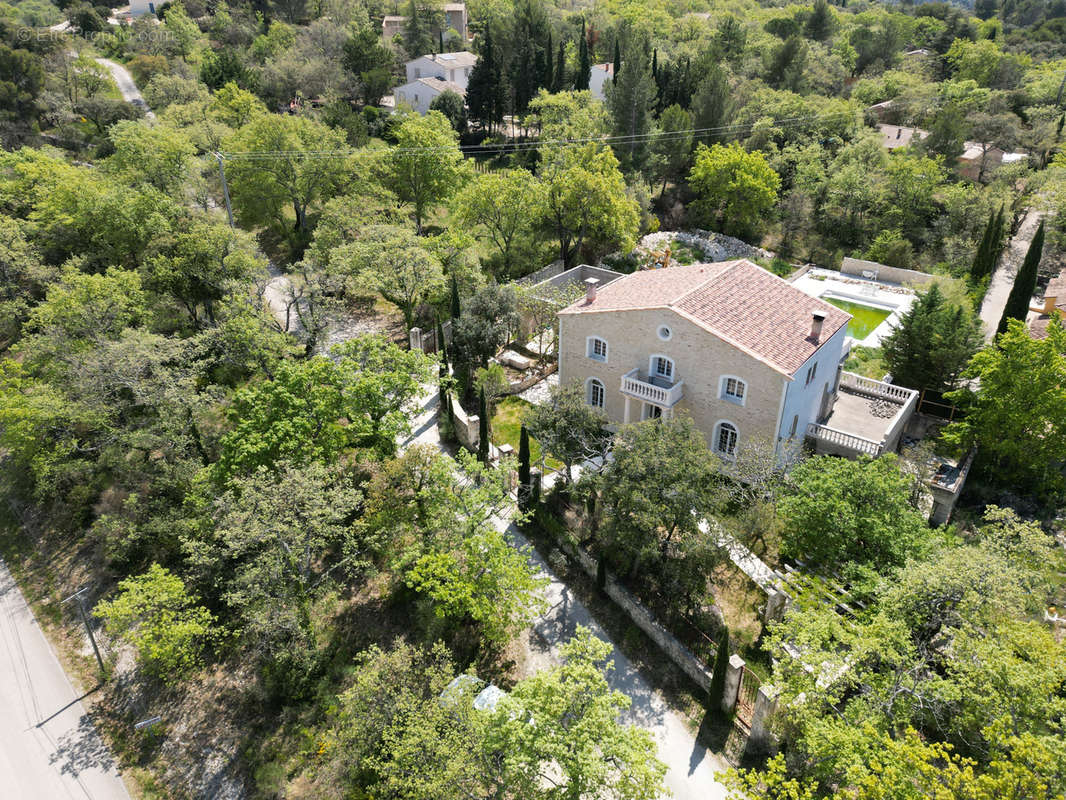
<point>734,389</point>
<point>596,393</point>
<point>725,439</point>
<point>596,348</point>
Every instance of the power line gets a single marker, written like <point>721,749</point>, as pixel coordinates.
<point>513,147</point>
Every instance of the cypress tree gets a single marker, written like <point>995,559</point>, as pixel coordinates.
<point>998,235</point>
<point>1021,293</point>
<point>548,68</point>
<point>456,308</point>
<point>721,662</point>
<point>982,259</point>
<point>441,345</point>
<point>581,80</point>
<point>617,62</point>
<point>655,64</point>
<point>560,70</point>
<point>442,50</point>
<point>483,429</point>
<point>524,469</point>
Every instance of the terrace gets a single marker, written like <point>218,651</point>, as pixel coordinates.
<point>867,416</point>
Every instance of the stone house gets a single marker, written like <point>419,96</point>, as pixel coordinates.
<point>741,351</point>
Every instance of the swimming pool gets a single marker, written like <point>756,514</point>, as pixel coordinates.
<point>864,318</point>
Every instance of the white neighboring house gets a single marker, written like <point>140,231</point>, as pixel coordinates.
<point>138,8</point>
<point>421,93</point>
<point>452,67</point>
<point>599,74</point>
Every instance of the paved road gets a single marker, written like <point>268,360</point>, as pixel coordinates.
<point>1003,278</point>
<point>124,81</point>
<point>49,749</point>
<point>692,768</point>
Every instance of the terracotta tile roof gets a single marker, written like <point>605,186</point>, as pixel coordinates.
<point>737,301</point>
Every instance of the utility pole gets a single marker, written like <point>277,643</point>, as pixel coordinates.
<point>88,628</point>
<point>225,188</point>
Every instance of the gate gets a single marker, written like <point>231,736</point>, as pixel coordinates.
<point>749,690</point>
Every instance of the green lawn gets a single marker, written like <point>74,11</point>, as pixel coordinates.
<point>507,428</point>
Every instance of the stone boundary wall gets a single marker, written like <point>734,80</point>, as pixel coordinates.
<point>856,266</point>
<point>466,426</point>
<point>643,619</point>
<point>542,274</point>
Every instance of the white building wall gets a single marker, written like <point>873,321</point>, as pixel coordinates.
<point>597,81</point>
<point>804,400</point>
<point>425,67</point>
<point>417,95</point>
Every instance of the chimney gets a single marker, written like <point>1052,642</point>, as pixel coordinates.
<point>817,318</point>
<point>590,289</point>
<point>1050,301</point>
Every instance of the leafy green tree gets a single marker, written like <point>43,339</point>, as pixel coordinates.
<point>1021,293</point>
<point>656,491</point>
<point>562,725</point>
<point>672,149</point>
<point>489,319</point>
<point>281,178</point>
<point>836,511</point>
<point>932,343</point>
<point>310,411</point>
<point>1016,410</point>
<point>569,429</point>
<point>281,539</point>
<point>198,264</point>
<point>587,204</point>
<point>735,189</point>
<point>157,615</point>
<point>23,279</point>
<point>451,105</point>
<point>506,204</point>
<point>371,61</point>
<point>425,167</point>
<point>394,263</point>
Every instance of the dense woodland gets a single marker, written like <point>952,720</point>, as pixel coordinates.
<point>224,470</point>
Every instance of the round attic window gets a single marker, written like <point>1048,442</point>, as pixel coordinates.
<point>665,333</point>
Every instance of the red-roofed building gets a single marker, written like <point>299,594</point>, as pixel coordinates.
<point>738,349</point>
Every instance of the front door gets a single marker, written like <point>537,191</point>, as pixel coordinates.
<point>652,411</point>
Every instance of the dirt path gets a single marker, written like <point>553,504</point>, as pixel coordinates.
<point>1003,278</point>
<point>124,81</point>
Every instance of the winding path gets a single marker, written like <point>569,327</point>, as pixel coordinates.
<point>691,767</point>
<point>124,81</point>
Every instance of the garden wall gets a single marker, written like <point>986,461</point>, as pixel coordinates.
<point>643,619</point>
<point>856,266</point>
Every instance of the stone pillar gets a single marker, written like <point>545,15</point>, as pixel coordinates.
<point>734,671</point>
<point>776,603</point>
<point>761,740</point>
<point>415,337</point>
<point>625,418</point>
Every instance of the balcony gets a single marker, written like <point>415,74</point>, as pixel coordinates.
<point>656,390</point>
